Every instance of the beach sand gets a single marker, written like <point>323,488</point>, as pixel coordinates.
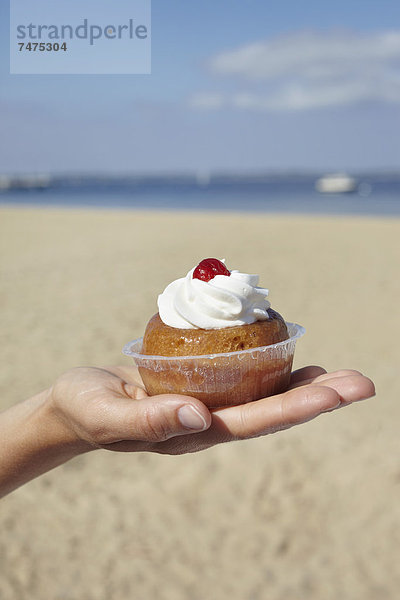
<point>309,513</point>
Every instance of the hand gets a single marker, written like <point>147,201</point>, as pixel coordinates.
<point>109,408</point>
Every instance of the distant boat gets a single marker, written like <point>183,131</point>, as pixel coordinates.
<point>24,182</point>
<point>5,183</point>
<point>203,178</point>
<point>336,183</point>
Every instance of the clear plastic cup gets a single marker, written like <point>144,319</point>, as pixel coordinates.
<point>224,379</point>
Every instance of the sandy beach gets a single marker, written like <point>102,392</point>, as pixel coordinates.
<point>310,513</point>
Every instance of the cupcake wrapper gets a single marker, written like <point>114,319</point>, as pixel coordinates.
<point>220,379</point>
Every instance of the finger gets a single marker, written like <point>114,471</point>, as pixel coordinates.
<point>323,376</point>
<point>306,374</point>
<point>281,412</point>
<point>268,415</point>
<point>278,412</point>
<point>351,388</point>
<point>149,419</point>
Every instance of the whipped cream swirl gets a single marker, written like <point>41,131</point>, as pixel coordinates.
<point>224,301</point>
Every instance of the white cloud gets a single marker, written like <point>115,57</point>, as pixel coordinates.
<point>307,70</point>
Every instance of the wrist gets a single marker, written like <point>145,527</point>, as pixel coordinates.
<point>34,441</point>
<point>56,431</point>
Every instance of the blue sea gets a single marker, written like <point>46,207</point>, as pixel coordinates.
<point>375,194</point>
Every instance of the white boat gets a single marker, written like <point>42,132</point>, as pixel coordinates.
<point>336,183</point>
<point>203,178</point>
<point>5,183</point>
<point>27,182</point>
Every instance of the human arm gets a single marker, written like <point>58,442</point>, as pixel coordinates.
<point>90,408</point>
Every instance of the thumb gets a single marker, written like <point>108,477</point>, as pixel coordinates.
<point>156,418</point>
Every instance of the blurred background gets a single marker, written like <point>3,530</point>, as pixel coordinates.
<point>268,133</point>
<point>271,94</point>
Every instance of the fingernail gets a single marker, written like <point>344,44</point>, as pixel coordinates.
<point>190,418</point>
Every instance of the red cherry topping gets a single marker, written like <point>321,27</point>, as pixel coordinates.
<point>208,268</point>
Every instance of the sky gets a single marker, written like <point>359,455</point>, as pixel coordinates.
<point>236,86</point>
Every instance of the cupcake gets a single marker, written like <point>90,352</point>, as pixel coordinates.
<point>216,337</point>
